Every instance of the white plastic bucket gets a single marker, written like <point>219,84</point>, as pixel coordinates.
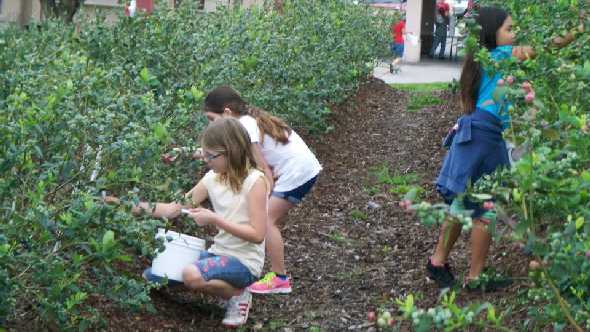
<point>181,250</point>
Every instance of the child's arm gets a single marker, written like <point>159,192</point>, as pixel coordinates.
<point>261,162</point>
<point>255,231</point>
<point>523,52</point>
<point>158,210</point>
<point>166,210</point>
<point>527,52</point>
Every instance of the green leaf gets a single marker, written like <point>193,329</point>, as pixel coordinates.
<point>579,223</point>
<point>161,132</point>
<point>413,193</point>
<point>482,197</point>
<point>144,74</point>
<point>492,314</point>
<point>108,238</point>
<point>196,93</point>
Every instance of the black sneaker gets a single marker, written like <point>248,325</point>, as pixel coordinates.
<point>440,274</point>
<point>488,281</point>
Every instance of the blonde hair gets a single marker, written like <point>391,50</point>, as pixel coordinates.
<point>228,137</point>
<point>225,97</point>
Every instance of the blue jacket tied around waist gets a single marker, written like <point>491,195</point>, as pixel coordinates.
<point>477,149</point>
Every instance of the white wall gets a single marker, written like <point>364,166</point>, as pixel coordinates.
<point>413,27</point>
<point>19,11</point>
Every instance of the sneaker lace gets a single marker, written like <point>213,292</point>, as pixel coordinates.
<point>267,279</point>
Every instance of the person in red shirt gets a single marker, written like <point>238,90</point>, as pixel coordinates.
<point>398,31</point>
<point>441,24</point>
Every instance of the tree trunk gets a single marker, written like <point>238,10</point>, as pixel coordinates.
<point>25,12</point>
<point>65,9</point>
<point>278,6</point>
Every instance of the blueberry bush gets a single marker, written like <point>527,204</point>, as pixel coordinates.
<point>547,191</point>
<point>88,110</point>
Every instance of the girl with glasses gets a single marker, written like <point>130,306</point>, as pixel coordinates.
<point>238,192</point>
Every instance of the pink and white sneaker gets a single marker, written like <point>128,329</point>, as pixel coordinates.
<point>237,309</point>
<point>271,284</point>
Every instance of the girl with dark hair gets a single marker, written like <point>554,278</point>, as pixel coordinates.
<point>288,163</point>
<point>477,148</point>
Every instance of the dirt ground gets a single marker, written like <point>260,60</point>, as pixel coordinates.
<point>349,247</point>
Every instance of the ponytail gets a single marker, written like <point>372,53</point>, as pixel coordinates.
<point>225,97</point>
<point>469,83</point>
<point>270,125</point>
<point>490,19</point>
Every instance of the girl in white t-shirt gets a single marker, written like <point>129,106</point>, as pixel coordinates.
<point>238,192</point>
<point>288,164</point>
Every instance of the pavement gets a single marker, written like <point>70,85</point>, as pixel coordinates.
<point>426,71</point>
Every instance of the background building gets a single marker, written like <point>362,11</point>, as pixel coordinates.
<point>25,11</point>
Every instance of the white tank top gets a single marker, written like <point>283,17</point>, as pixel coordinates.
<point>233,207</point>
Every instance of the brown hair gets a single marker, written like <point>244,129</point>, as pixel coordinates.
<point>228,137</point>
<point>490,19</point>
<point>225,97</point>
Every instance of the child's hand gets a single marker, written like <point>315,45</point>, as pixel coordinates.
<point>198,154</point>
<point>111,200</point>
<point>203,217</point>
<point>168,158</point>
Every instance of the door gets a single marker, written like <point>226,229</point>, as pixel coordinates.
<point>427,30</point>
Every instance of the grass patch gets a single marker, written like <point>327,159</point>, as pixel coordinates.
<point>398,184</point>
<point>356,274</point>
<point>337,237</point>
<point>383,176</point>
<point>418,102</point>
<point>276,324</point>
<point>358,215</point>
<point>422,87</point>
<point>421,94</point>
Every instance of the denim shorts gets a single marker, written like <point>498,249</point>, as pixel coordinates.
<point>296,195</point>
<point>226,268</point>
<point>397,49</point>
<point>213,267</point>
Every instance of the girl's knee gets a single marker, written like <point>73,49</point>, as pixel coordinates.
<point>275,222</point>
<point>481,227</point>
<point>481,223</point>
<point>192,277</point>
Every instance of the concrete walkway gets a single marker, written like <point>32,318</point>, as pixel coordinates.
<point>426,71</point>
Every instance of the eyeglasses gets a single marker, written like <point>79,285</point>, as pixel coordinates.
<point>208,157</point>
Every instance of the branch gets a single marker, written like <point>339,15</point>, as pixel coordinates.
<point>562,303</point>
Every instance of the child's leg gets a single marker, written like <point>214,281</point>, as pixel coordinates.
<point>280,203</point>
<point>480,245</point>
<point>276,280</point>
<point>223,276</point>
<point>275,247</point>
<point>195,281</point>
<point>449,233</point>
